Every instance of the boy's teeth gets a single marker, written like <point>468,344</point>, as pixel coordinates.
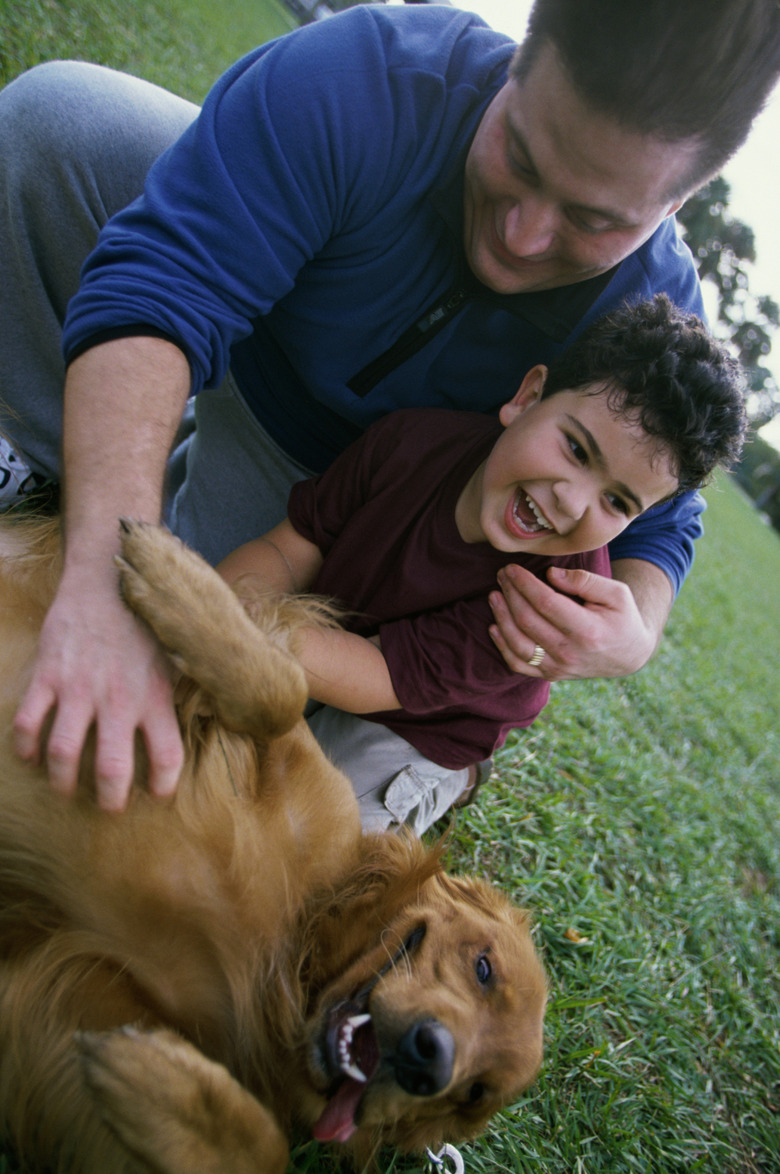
<point>535,511</point>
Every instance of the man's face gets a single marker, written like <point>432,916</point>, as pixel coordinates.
<point>555,192</point>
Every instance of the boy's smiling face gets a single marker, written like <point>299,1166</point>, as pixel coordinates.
<point>566,475</point>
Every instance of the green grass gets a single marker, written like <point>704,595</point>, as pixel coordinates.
<point>638,819</point>
<point>643,815</point>
<point>181,44</point>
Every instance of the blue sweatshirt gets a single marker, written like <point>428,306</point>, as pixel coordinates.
<point>307,230</point>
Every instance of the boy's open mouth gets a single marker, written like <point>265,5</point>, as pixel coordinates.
<point>527,514</point>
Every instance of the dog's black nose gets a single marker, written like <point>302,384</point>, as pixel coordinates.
<point>424,1059</point>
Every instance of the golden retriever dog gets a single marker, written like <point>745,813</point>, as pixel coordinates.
<point>184,984</point>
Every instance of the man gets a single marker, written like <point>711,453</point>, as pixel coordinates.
<point>367,214</point>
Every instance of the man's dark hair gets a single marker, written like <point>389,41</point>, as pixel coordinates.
<point>662,368</point>
<point>676,69</point>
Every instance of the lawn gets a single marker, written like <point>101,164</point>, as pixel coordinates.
<point>639,819</point>
<point>181,44</point>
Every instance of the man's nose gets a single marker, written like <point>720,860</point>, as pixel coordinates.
<point>529,228</point>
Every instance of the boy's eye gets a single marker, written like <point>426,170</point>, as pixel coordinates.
<point>576,449</point>
<point>619,504</point>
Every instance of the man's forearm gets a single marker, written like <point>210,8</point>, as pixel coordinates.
<point>652,592</point>
<point>123,402</point>
<point>96,666</point>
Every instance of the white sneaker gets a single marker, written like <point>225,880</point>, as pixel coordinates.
<point>16,477</point>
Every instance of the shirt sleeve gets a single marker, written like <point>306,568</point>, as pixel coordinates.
<point>320,507</point>
<point>444,659</point>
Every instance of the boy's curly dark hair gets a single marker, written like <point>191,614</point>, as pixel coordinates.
<point>661,367</point>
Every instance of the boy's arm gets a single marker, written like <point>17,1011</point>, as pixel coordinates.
<point>342,669</point>
<point>283,559</point>
<point>346,671</point>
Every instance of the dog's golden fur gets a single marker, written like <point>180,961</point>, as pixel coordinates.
<point>174,981</point>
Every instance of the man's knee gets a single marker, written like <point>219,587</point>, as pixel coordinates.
<point>89,128</point>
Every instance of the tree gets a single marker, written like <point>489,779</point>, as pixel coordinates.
<point>724,248</point>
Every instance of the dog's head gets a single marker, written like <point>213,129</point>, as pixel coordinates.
<point>433,1029</point>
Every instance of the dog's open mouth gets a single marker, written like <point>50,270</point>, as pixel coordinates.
<point>352,1054</point>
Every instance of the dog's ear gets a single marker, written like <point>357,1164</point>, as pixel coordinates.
<point>481,897</point>
<point>391,872</point>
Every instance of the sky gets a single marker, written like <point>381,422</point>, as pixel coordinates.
<point>753,173</point>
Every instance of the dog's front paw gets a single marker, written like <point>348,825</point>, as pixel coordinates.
<point>256,687</point>
<point>176,1109</point>
<point>173,589</point>
<point>156,570</point>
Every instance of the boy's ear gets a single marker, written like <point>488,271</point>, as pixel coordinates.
<point>528,393</point>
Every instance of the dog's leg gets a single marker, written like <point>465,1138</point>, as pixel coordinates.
<point>177,1111</point>
<point>46,1109</point>
<point>257,687</point>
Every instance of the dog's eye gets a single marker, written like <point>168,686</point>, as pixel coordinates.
<point>414,939</point>
<point>484,969</point>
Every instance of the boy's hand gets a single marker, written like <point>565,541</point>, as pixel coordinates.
<point>612,634</point>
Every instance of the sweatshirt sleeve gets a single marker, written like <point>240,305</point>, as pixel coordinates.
<point>664,536</point>
<point>297,148</point>
<point>277,160</point>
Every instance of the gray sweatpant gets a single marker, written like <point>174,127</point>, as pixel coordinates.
<point>76,142</point>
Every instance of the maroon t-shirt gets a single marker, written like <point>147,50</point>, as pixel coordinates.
<point>383,516</point>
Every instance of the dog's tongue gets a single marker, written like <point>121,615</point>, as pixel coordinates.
<point>337,1122</point>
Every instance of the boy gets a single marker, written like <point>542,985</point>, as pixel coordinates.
<point>409,527</point>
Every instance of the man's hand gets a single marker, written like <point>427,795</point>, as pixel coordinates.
<point>97,667</point>
<point>613,633</point>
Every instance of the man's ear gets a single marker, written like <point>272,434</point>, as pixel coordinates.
<point>529,391</point>
<point>675,207</point>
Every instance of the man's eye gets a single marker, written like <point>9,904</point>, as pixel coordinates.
<point>518,163</point>
<point>520,168</point>
<point>589,223</point>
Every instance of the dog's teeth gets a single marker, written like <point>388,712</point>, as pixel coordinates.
<point>353,1071</point>
<point>346,1063</point>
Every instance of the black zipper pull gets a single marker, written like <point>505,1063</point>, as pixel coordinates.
<point>412,340</point>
